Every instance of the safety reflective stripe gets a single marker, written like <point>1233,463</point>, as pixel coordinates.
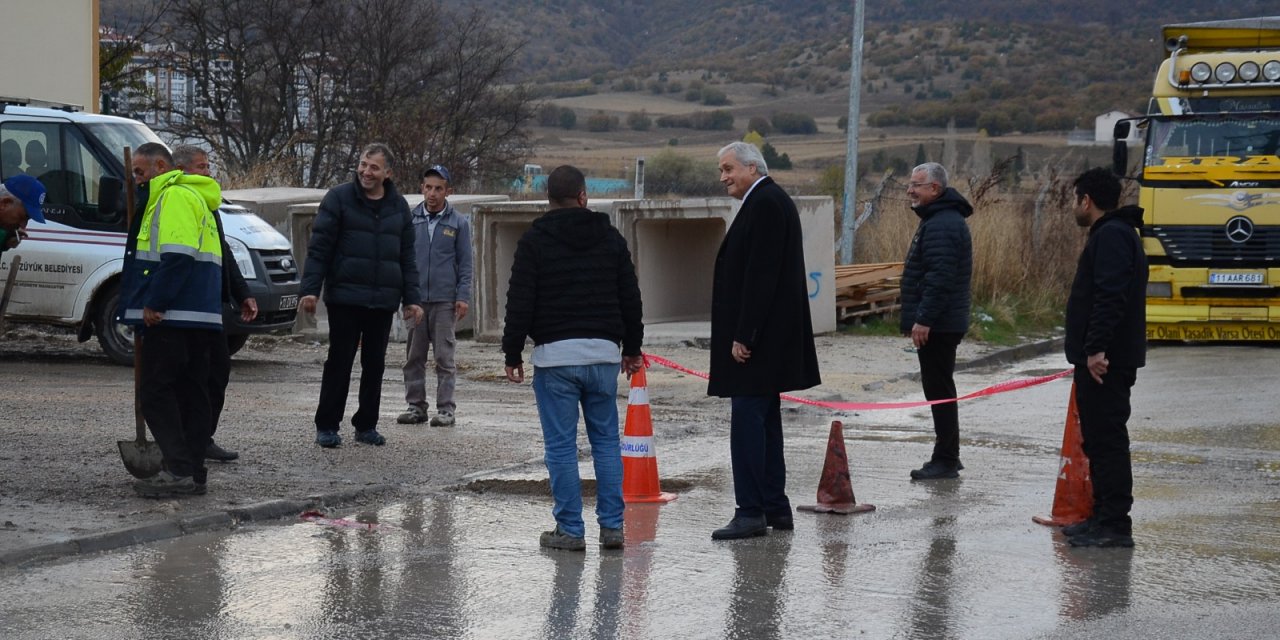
<point>179,315</point>
<point>638,447</point>
<point>193,316</point>
<point>178,248</point>
<point>638,395</point>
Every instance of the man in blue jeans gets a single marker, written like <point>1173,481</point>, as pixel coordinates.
<point>574,291</point>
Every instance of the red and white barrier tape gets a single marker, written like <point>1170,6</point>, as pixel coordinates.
<point>1003,387</point>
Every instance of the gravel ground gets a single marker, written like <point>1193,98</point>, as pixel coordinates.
<point>65,407</point>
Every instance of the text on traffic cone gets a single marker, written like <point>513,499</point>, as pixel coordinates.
<point>639,460</point>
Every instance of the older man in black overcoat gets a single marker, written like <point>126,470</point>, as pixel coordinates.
<point>761,337</point>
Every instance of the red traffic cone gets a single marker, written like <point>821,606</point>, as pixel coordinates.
<point>835,489</point>
<point>1073,498</point>
<point>639,461</point>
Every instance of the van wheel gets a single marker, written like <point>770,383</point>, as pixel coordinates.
<point>236,343</point>
<point>116,339</point>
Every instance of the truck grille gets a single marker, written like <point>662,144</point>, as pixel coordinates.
<point>271,259</point>
<point>1208,246</point>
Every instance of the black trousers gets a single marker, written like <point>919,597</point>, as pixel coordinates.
<point>174,395</point>
<point>219,378</point>
<point>1104,414</point>
<point>755,448</point>
<point>353,329</point>
<point>937,377</point>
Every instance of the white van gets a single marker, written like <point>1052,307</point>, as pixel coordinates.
<point>70,268</point>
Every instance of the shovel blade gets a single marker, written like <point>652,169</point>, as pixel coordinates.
<point>142,458</point>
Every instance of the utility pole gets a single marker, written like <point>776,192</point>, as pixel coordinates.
<point>848,228</point>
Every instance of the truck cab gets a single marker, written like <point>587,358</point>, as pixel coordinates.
<point>1210,183</point>
<point>69,272</point>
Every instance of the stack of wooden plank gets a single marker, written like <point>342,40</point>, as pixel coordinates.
<point>865,290</point>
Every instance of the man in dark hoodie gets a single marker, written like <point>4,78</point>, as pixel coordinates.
<point>573,289</point>
<point>935,304</point>
<point>1107,342</point>
<point>361,254</point>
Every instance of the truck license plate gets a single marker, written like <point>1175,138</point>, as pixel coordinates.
<point>1253,277</point>
<point>288,302</point>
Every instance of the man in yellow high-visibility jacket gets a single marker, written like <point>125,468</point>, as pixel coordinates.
<point>171,291</point>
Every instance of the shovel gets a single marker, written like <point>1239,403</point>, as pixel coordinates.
<point>142,458</point>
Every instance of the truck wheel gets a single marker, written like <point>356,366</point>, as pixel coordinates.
<point>116,339</point>
<point>236,343</point>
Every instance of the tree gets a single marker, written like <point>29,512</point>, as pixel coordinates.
<point>760,125</point>
<point>669,172</point>
<point>639,120</point>
<point>754,137</point>
<point>794,123</point>
<point>773,160</point>
<point>288,92</point>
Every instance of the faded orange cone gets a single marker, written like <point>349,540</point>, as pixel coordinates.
<point>835,489</point>
<point>639,461</point>
<point>1073,497</point>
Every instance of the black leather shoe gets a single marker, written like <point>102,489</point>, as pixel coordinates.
<point>742,527</point>
<point>781,522</point>
<point>214,452</point>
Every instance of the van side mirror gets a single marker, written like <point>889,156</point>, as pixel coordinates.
<point>110,188</point>
<point>1120,148</point>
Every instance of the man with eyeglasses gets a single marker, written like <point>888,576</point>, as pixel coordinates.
<point>935,305</point>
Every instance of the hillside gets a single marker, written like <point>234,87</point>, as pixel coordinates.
<point>1042,65</point>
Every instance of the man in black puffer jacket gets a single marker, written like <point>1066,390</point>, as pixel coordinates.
<point>1107,342</point>
<point>361,252</point>
<point>935,304</point>
<point>574,291</point>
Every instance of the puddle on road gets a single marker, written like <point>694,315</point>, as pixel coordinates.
<point>1261,437</point>
<point>542,487</point>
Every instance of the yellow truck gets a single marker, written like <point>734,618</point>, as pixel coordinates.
<point>1210,182</point>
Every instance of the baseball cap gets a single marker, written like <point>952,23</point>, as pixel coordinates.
<point>30,192</point>
<point>438,170</point>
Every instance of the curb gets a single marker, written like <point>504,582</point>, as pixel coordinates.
<point>995,358</point>
<point>177,527</point>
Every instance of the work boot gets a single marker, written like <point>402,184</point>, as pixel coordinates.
<point>1078,528</point>
<point>214,452</point>
<point>611,538</point>
<point>414,415</point>
<point>557,539</point>
<point>1100,536</point>
<point>166,485</point>
<point>371,437</point>
<point>442,419</point>
<point>328,439</point>
<point>936,471</point>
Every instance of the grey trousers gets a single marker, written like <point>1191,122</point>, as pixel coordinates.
<point>435,332</point>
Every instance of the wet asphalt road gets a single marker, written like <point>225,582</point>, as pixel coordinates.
<point>951,559</point>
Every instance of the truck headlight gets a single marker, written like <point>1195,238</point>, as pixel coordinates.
<point>1271,70</point>
<point>244,259</point>
<point>1225,72</point>
<point>1201,71</point>
<point>1159,289</point>
<point>1249,71</point>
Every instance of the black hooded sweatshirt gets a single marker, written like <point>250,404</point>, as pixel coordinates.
<point>572,278</point>
<point>939,266</point>
<point>1106,310</point>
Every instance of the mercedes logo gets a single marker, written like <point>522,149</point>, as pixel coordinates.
<point>1239,229</point>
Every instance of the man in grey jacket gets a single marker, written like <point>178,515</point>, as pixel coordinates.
<point>442,243</point>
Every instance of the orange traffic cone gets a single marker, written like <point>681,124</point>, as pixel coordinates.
<point>1073,498</point>
<point>835,489</point>
<point>639,461</point>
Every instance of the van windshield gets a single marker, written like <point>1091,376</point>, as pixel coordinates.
<point>115,136</point>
